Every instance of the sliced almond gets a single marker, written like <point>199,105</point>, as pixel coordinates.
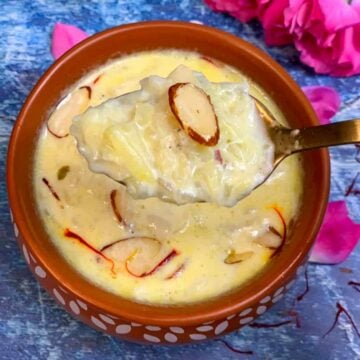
<point>136,266</point>
<point>183,74</point>
<point>142,253</point>
<point>234,257</point>
<point>270,239</point>
<point>60,120</point>
<point>194,111</point>
<point>142,256</point>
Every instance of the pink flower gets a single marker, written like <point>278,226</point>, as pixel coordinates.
<point>64,37</point>
<point>244,10</point>
<point>271,14</point>
<point>325,101</point>
<point>338,235</point>
<point>326,32</point>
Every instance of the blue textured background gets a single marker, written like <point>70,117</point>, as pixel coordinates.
<point>32,326</point>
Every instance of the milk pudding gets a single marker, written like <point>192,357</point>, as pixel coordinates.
<point>137,140</point>
<point>149,250</point>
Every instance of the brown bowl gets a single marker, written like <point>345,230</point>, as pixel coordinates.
<point>110,313</point>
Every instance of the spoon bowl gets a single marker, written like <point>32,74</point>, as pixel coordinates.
<point>288,141</point>
<point>193,110</point>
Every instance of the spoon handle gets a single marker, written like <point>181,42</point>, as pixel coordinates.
<point>341,133</point>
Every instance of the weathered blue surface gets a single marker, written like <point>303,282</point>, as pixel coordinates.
<point>32,326</point>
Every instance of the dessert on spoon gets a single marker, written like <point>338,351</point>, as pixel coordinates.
<point>184,139</point>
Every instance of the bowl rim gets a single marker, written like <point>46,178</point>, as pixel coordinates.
<point>136,312</point>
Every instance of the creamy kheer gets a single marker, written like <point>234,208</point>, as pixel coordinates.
<point>137,140</point>
<point>148,250</point>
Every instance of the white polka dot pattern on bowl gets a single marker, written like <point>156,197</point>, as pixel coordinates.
<point>209,322</point>
<point>169,337</point>
<point>26,254</point>
<point>205,328</point>
<point>265,300</point>
<point>153,333</point>
<point>135,324</point>
<point>58,296</point>
<point>16,230</point>
<point>198,336</point>
<point>112,316</point>
<point>156,334</point>
<point>98,323</point>
<point>261,309</point>
<point>107,319</point>
<point>221,327</point>
<point>40,272</point>
<point>277,298</point>
<point>246,320</point>
<point>32,258</point>
<point>63,290</point>
<point>278,291</point>
<point>152,328</point>
<point>82,304</point>
<point>74,307</point>
<point>245,312</point>
<point>123,329</point>
<point>151,338</point>
<point>177,329</point>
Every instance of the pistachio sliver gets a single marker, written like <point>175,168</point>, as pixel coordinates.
<point>62,172</point>
<point>234,257</point>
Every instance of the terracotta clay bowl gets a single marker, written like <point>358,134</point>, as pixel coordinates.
<point>110,313</point>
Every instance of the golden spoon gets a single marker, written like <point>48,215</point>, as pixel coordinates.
<point>197,118</point>
<point>289,141</point>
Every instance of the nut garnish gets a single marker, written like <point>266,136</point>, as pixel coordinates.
<point>194,111</point>
<point>62,172</point>
<point>271,239</point>
<point>60,120</point>
<point>234,257</point>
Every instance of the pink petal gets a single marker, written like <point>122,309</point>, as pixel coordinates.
<point>338,235</point>
<point>243,10</point>
<point>271,14</point>
<point>337,54</point>
<point>64,37</point>
<point>325,101</point>
<point>339,14</point>
<point>326,32</point>
<point>277,37</point>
